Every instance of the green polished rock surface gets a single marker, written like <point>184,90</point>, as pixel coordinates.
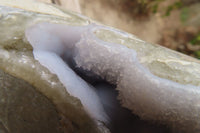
<point>162,62</point>
<point>24,109</point>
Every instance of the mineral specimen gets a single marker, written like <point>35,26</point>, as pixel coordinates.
<point>75,62</point>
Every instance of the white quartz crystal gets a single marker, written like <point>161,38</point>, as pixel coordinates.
<point>150,96</point>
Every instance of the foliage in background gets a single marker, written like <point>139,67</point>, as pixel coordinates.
<point>138,8</point>
<point>184,15</point>
<point>174,6</point>
<point>143,8</point>
<point>196,41</point>
<point>155,5</point>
